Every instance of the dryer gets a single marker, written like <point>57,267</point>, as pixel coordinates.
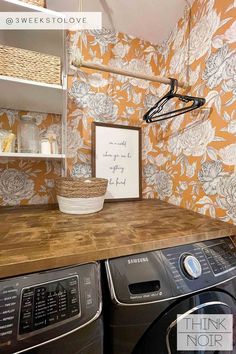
<point>147,291</point>
<point>56,312</point>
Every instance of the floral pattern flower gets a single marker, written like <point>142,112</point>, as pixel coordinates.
<point>74,141</point>
<point>150,174</point>
<point>194,141</point>
<point>102,108</point>
<point>15,186</point>
<point>81,170</point>
<point>164,184</point>
<point>140,66</point>
<point>150,100</point>
<point>120,50</point>
<point>161,159</point>
<point>191,170</point>
<point>210,176</point>
<point>201,35</point>
<point>178,61</point>
<point>80,92</point>
<point>175,145</point>
<point>228,154</point>
<point>104,37</point>
<point>221,66</point>
<point>97,80</point>
<point>227,198</point>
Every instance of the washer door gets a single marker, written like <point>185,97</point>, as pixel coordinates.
<point>161,336</point>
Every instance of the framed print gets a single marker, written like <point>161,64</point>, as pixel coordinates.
<point>116,155</point>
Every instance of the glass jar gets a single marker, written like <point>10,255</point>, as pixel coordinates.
<point>28,135</point>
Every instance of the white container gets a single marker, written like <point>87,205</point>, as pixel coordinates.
<point>80,205</point>
<point>45,146</point>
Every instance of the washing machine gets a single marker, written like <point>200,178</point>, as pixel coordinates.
<point>148,291</point>
<point>56,312</point>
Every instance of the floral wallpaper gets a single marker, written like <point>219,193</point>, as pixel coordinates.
<point>105,97</point>
<point>24,181</point>
<point>192,162</point>
<point>189,160</point>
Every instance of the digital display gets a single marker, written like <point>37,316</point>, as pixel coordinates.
<point>49,303</point>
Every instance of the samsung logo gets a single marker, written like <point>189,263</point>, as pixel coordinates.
<point>137,260</point>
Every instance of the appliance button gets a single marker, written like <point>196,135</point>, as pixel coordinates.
<point>74,310</point>
<point>40,316</point>
<point>6,312</point>
<point>26,315</point>
<point>40,324</point>
<point>6,326</point>
<point>6,334</point>
<point>73,300</point>
<point>25,326</point>
<point>9,290</point>
<point>4,319</point>
<point>52,319</point>
<point>73,282</point>
<point>28,293</point>
<point>41,290</point>
<point>63,315</point>
<point>73,291</point>
<point>191,266</point>
<point>26,303</point>
<point>51,312</point>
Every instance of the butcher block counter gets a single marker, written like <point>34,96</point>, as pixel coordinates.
<point>36,239</point>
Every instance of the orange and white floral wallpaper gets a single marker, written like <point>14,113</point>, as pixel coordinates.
<point>191,161</point>
<point>188,161</point>
<point>104,97</point>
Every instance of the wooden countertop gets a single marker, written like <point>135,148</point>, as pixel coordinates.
<point>42,238</point>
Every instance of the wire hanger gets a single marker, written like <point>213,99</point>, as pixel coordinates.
<point>152,115</point>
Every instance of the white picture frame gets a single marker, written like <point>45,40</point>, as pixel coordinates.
<point>116,156</point>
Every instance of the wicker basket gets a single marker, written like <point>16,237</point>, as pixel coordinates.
<point>29,65</point>
<point>41,3</point>
<point>81,195</point>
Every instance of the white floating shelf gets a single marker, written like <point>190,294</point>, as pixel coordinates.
<point>20,155</point>
<point>21,6</point>
<point>27,95</point>
<point>45,41</point>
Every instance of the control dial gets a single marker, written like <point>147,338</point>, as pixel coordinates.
<point>191,266</point>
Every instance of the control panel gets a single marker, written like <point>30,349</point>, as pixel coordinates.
<point>171,272</point>
<point>221,257</point>
<point>38,307</point>
<point>201,265</point>
<point>46,304</point>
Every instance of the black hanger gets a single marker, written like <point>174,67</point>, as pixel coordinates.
<point>152,115</point>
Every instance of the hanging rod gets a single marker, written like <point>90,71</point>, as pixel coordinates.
<point>100,67</point>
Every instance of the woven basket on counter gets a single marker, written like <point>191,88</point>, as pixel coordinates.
<point>81,195</point>
<point>29,65</point>
<point>41,3</point>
